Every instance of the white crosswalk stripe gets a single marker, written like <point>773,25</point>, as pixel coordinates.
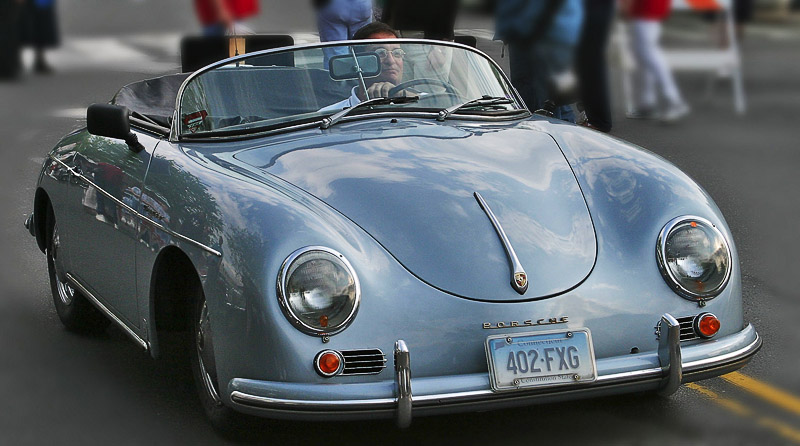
<point>110,53</point>
<point>69,113</point>
<point>152,53</point>
<point>166,43</point>
<point>143,53</point>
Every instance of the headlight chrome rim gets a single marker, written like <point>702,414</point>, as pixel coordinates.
<point>283,297</point>
<point>670,277</point>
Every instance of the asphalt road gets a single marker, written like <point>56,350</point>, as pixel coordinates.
<point>61,388</point>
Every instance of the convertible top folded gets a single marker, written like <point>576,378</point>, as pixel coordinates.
<point>154,98</point>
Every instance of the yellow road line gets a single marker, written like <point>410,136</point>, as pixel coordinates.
<point>740,409</point>
<point>782,428</point>
<point>773,395</point>
<point>734,406</point>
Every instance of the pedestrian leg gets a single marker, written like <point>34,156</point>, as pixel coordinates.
<point>331,30</point>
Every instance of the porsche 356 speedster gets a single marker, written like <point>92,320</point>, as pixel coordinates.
<point>383,229</point>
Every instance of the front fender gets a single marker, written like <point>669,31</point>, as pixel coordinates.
<point>631,194</point>
<point>253,222</point>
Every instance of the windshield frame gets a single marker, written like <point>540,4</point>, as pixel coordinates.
<point>176,136</point>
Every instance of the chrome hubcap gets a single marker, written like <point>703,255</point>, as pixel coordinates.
<point>205,353</point>
<point>65,292</point>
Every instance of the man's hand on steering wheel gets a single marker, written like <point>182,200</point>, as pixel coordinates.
<point>384,90</point>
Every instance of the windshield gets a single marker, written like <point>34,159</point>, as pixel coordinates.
<point>309,84</point>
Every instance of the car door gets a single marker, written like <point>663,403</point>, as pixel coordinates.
<point>102,225</point>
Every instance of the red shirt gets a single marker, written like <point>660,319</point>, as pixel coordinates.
<point>650,9</point>
<point>239,9</point>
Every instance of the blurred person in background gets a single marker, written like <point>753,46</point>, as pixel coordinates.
<point>435,18</point>
<point>377,10</point>
<point>592,66</point>
<point>339,20</point>
<point>656,94</point>
<point>742,14</point>
<point>39,29</point>
<point>9,39</point>
<point>542,37</point>
<point>223,17</point>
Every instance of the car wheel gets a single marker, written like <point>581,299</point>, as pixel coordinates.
<point>73,308</point>
<point>204,371</point>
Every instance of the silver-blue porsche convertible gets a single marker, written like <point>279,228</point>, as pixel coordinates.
<point>382,229</point>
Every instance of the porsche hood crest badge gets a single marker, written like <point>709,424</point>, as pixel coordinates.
<point>521,279</point>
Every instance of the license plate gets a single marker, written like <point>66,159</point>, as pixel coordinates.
<point>541,359</point>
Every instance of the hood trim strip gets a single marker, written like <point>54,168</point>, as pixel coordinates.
<point>519,278</point>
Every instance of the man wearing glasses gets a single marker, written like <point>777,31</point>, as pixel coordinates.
<point>391,58</point>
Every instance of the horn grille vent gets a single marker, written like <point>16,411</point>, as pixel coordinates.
<point>363,362</point>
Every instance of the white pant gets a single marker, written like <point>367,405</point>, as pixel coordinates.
<point>653,76</point>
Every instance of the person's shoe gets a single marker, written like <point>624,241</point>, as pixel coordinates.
<point>42,67</point>
<point>643,113</point>
<point>676,112</point>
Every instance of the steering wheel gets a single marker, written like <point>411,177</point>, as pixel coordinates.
<point>448,87</point>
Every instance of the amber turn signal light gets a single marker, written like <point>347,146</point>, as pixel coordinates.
<point>328,363</point>
<point>706,325</point>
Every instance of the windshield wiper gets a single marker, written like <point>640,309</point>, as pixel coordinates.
<point>483,101</point>
<point>327,122</point>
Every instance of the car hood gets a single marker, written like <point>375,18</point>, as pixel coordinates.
<point>410,184</point>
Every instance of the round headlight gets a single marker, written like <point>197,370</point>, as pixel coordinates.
<point>318,290</point>
<point>694,257</point>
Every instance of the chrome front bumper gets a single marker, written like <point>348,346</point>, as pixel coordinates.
<point>665,372</point>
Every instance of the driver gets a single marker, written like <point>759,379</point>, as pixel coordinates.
<point>391,58</point>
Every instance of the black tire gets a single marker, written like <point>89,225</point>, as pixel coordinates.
<point>225,420</point>
<point>74,309</point>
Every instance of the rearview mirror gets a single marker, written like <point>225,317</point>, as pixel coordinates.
<point>112,121</point>
<point>345,66</point>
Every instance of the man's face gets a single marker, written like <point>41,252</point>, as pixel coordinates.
<point>391,61</point>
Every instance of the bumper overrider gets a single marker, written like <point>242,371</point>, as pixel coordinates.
<point>663,371</point>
